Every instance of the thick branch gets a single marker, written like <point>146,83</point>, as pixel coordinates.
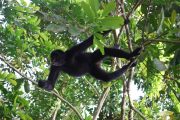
<point>35,83</point>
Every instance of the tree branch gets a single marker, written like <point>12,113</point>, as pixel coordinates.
<point>100,103</point>
<point>131,49</point>
<point>149,41</point>
<point>123,103</point>
<point>54,114</point>
<point>135,7</point>
<point>129,13</point>
<point>2,58</point>
<point>128,91</point>
<point>94,89</point>
<point>69,104</point>
<point>16,70</point>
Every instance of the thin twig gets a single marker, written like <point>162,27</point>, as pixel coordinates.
<point>94,89</point>
<point>54,114</point>
<point>69,104</point>
<point>135,7</point>
<point>129,13</point>
<point>149,41</point>
<point>123,103</point>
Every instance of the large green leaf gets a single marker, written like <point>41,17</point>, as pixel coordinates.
<point>56,28</point>
<point>94,5</point>
<point>13,82</point>
<point>88,11</point>
<point>24,116</point>
<point>111,22</point>
<point>97,41</point>
<point>74,30</point>
<point>10,78</point>
<point>26,86</point>
<point>176,101</point>
<point>173,16</point>
<point>159,65</point>
<point>108,8</point>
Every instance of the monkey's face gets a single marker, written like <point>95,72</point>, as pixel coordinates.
<point>57,58</point>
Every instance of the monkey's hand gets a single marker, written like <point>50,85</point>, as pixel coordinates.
<point>46,85</point>
<point>132,63</point>
<point>136,52</point>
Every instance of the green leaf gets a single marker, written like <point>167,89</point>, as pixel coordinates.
<point>111,22</point>
<point>24,116</point>
<point>74,31</point>
<point>94,5</point>
<point>26,87</point>
<point>173,16</point>
<point>56,28</point>
<point>23,101</point>
<point>165,114</point>
<point>19,83</point>
<point>159,65</point>
<point>10,76</point>
<point>88,11</point>
<point>23,2</point>
<point>43,35</point>
<point>88,118</point>
<point>175,101</point>
<point>15,103</point>
<point>108,8</point>
<point>161,23</point>
<point>97,41</point>
<point>13,82</point>
<point>106,84</point>
<point>37,22</point>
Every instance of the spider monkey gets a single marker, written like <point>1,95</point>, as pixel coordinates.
<point>76,62</point>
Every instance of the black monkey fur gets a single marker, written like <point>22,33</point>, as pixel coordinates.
<point>77,62</point>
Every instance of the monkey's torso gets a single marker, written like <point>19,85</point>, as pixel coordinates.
<point>78,64</point>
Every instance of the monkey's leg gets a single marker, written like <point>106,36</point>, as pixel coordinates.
<point>106,77</point>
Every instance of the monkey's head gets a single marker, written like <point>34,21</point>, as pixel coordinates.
<point>57,58</point>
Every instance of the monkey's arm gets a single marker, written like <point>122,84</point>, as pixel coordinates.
<point>52,78</point>
<point>85,44</point>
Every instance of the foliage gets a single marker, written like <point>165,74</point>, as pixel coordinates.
<point>29,32</point>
